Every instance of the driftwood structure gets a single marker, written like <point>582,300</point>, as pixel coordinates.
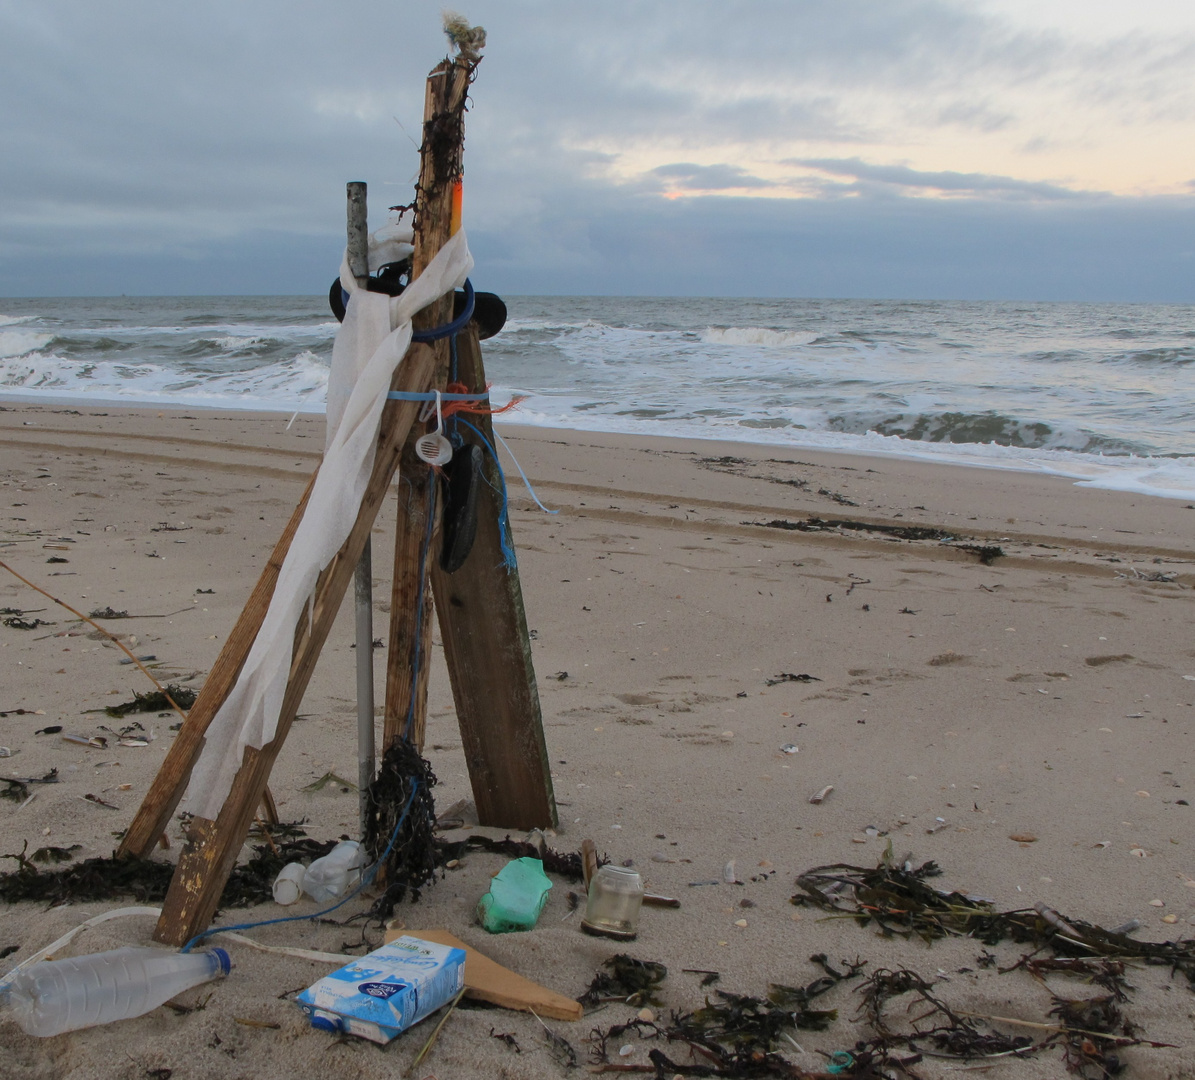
<point>479,606</point>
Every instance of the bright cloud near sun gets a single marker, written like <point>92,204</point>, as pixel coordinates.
<point>1052,102</point>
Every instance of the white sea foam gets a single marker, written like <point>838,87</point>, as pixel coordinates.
<point>756,336</point>
<point>10,320</point>
<point>22,342</point>
<point>299,382</point>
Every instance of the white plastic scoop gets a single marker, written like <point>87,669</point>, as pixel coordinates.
<point>433,447</point>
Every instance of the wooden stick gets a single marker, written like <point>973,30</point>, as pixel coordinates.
<point>358,260</point>
<point>174,774</point>
<point>588,861</point>
<point>212,846</point>
<point>435,1034</point>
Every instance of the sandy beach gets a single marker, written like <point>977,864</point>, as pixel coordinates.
<point>952,705</point>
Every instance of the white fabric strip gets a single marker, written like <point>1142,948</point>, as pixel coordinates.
<point>372,340</point>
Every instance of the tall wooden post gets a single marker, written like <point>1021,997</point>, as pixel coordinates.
<point>409,655</point>
<point>358,260</point>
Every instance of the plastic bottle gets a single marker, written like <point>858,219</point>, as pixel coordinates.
<point>336,873</point>
<point>289,883</point>
<point>54,996</point>
<point>517,895</point>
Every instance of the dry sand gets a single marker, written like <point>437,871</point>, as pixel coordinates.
<point>957,704</point>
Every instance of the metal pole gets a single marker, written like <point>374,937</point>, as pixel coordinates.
<point>358,258</point>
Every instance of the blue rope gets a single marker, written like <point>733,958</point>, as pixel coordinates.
<point>436,332</point>
<point>411,395</point>
<point>530,489</point>
<point>366,881</point>
<point>508,551</point>
<point>449,329</point>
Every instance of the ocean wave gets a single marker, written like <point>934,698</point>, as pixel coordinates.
<point>22,342</point>
<point>11,320</point>
<point>234,345</point>
<point>1163,476</point>
<point>756,335</point>
<point>527,326</point>
<point>297,381</point>
<point>979,428</point>
<point>1174,356</point>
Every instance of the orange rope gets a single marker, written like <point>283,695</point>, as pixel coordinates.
<point>475,407</point>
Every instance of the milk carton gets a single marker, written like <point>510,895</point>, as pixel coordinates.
<point>387,991</point>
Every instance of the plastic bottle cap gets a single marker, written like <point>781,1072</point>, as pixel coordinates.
<point>224,960</point>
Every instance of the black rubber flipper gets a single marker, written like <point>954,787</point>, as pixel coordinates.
<point>463,477</point>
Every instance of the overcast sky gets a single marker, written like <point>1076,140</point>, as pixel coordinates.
<point>990,149</point>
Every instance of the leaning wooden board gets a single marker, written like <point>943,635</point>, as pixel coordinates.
<point>487,980</point>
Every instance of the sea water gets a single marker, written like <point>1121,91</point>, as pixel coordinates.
<point>1102,393</point>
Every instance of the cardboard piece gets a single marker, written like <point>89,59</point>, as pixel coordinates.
<point>487,980</point>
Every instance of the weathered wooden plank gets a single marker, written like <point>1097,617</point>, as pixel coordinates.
<point>212,846</point>
<point>174,774</point>
<point>488,652</point>
<point>408,616</point>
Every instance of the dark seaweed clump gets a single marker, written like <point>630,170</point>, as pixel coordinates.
<point>155,701</point>
<point>146,880</point>
<point>626,979</point>
<point>410,856</point>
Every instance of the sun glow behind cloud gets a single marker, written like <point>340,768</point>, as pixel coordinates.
<point>992,94</point>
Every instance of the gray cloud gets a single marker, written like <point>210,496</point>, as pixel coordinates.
<point>901,176</point>
<point>205,147</point>
<point>709,177</point>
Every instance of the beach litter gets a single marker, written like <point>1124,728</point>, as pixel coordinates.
<point>380,995</point>
<point>488,981</point>
<point>613,903</point>
<point>331,778</point>
<point>517,895</point>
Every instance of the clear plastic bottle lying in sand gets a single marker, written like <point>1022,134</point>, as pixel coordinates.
<point>54,996</point>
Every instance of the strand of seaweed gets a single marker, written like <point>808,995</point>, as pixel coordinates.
<point>899,901</point>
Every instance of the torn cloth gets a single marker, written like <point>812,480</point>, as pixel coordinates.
<point>372,341</point>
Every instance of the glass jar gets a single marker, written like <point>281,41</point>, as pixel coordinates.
<point>615,896</point>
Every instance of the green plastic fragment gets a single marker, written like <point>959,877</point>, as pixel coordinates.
<point>517,895</point>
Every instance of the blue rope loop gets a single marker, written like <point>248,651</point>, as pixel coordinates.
<point>451,328</point>
<point>438,332</point>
